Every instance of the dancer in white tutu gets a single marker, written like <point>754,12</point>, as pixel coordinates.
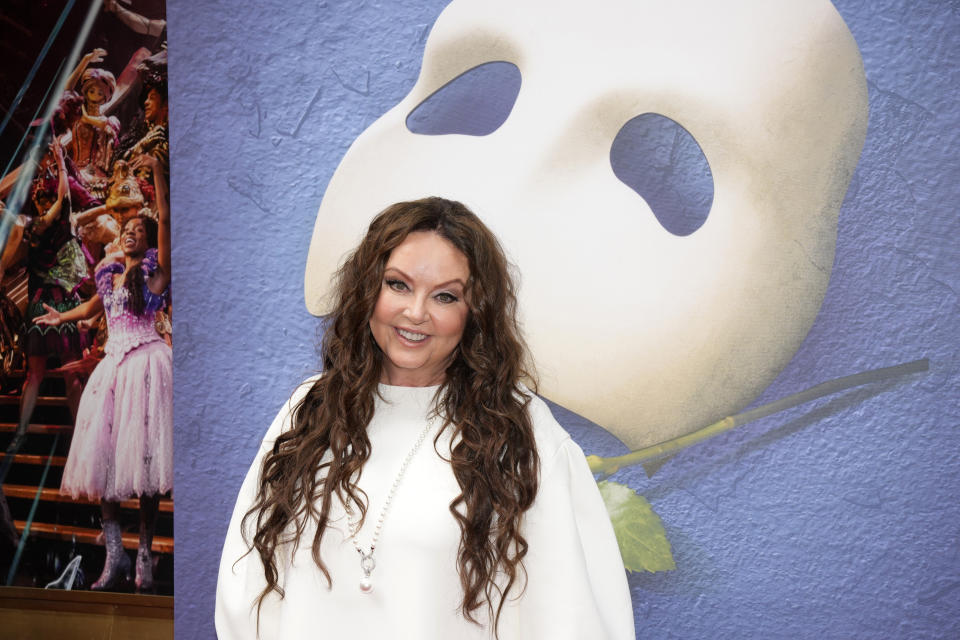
<point>123,439</point>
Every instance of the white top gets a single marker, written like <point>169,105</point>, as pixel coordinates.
<point>576,586</point>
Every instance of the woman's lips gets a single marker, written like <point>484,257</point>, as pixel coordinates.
<point>414,337</point>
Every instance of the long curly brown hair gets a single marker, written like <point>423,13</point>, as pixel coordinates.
<point>482,400</point>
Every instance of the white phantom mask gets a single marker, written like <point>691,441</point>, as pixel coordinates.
<point>649,334</point>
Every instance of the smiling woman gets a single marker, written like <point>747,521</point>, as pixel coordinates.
<point>122,444</point>
<point>423,343</point>
<point>421,312</point>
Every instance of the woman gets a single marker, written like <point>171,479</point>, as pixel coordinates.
<point>98,227</point>
<point>57,274</point>
<point>417,489</point>
<point>122,443</point>
<point>94,135</point>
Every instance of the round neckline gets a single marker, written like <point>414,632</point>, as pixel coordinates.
<point>403,386</point>
<point>396,393</point>
<point>395,389</point>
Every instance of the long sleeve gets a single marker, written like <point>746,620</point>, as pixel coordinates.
<point>576,585</point>
<point>241,576</point>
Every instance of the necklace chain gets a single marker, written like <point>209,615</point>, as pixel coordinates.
<point>367,563</point>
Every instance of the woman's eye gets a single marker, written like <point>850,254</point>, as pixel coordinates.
<point>397,285</point>
<point>446,298</point>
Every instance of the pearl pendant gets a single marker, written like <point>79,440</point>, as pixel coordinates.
<point>367,564</point>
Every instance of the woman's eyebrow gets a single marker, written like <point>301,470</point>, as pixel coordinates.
<point>400,272</point>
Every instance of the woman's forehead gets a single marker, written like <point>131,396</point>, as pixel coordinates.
<point>428,251</point>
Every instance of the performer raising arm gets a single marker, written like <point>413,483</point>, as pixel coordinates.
<point>123,440</point>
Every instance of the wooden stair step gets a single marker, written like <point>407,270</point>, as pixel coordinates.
<point>37,428</point>
<point>54,495</point>
<point>21,373</point>
<point>161,544</point>
<point>42,401</point>
<point>27,458</point>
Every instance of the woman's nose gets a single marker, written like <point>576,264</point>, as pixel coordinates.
<point>416,310</point>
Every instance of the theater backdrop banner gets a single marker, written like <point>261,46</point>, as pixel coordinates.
<point>84,148</point>
<point>831,514</point>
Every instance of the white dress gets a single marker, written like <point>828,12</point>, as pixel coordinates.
<point>576,589</point>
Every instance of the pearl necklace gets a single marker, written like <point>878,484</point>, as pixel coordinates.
<point>367,563</point>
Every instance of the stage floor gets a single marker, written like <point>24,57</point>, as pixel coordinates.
<point>39,614</point>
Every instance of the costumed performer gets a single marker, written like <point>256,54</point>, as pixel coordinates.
<point>57,270</point>
<point>123,440</point>
<point>95,136</point>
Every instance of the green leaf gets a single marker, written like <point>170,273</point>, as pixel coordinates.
<point>643,542</point>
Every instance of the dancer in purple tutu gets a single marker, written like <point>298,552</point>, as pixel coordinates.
<point>123,440</point>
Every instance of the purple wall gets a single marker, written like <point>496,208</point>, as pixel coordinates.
<point>835,520</point>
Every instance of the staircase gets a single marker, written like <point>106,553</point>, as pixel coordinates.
<point>63,527</point>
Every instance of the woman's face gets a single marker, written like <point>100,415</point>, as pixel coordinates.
<point>133,240</point>
<point>95,94</point>
<point>421,312</point>
<point>153,107</point>
<point>43,202</point>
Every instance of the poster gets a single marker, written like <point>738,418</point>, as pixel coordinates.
<point>833,520</point>
<point>85,129</point>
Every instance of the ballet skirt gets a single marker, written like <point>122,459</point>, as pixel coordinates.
<point>122,442</point>
<point>576,585</point>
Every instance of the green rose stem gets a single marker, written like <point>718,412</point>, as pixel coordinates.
<point>605,467</point>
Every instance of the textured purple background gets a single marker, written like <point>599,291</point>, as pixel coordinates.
<point>836,520</point>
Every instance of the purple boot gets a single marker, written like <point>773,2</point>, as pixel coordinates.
<point>116,568</point>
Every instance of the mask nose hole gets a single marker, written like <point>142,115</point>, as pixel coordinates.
<point>475,103</point>
<point>661,161</point>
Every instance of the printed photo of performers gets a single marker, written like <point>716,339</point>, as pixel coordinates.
<point>86,392</point>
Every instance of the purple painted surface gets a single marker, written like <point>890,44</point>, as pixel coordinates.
<point>836,520</point>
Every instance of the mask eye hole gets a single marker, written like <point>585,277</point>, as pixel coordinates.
<point>475,103</point>
<point>661,161</point>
